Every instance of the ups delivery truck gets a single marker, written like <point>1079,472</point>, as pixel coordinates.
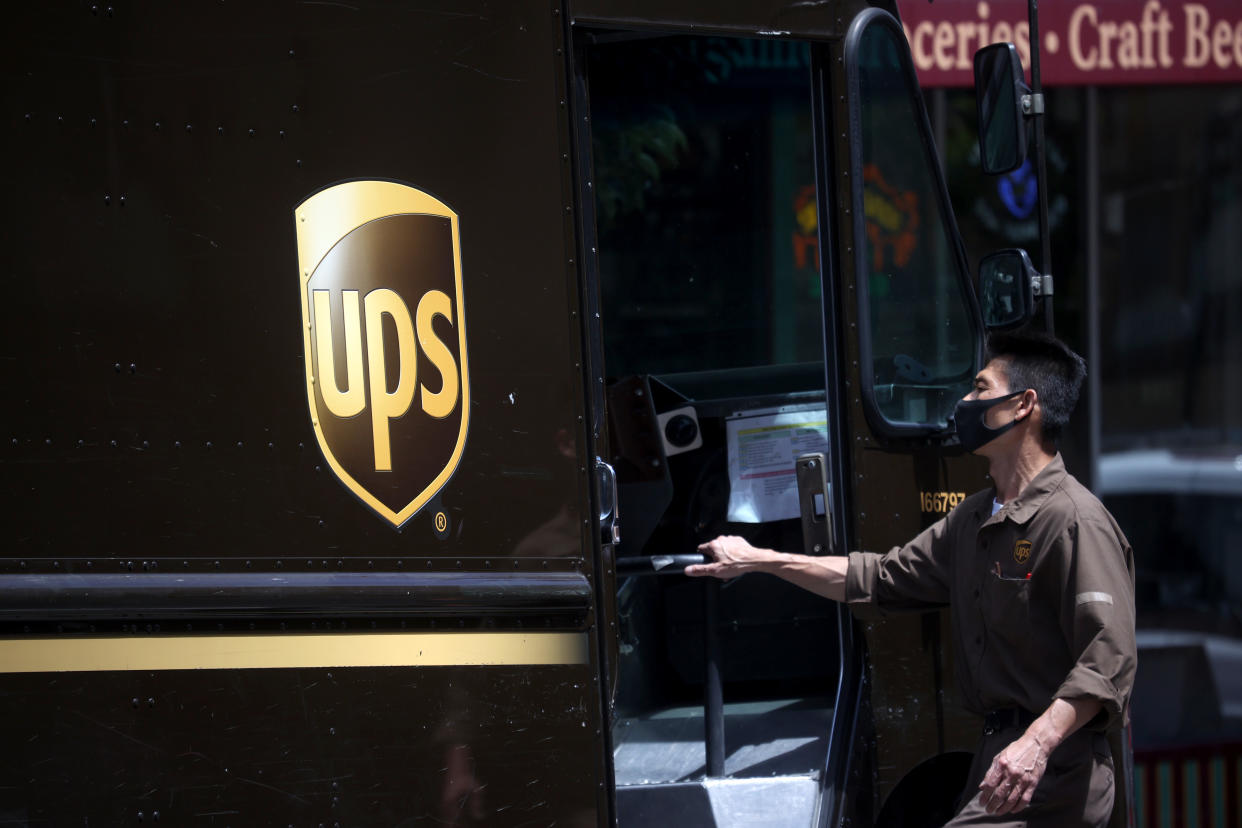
<point>372,367</point>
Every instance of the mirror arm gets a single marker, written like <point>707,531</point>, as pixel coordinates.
<point>1033,104</point>
<point>1041,171</point>
<point>1041,285</point>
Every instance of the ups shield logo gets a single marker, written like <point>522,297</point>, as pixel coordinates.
<point>385,340</point>
<point>1022,551</point>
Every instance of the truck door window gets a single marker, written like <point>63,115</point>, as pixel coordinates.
<point>920,332</point>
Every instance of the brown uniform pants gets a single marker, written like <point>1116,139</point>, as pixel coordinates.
<point>1076,790</point>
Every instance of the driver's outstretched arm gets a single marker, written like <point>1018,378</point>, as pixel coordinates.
<point>732,556</point>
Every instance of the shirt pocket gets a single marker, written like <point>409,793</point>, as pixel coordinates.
<point>1007,609</point>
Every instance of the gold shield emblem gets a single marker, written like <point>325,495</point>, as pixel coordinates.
<point>1022,551</point>
<point>384,335</point>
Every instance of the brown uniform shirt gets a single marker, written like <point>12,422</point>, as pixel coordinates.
<point>1041,595</point>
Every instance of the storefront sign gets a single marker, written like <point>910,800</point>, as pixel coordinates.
<point>1104,42</point>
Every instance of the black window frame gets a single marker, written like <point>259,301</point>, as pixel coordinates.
<point>880,424</point>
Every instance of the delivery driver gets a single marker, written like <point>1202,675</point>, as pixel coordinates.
<point>1041,581</point>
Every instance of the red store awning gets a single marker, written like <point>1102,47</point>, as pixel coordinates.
<point>1102,42</point>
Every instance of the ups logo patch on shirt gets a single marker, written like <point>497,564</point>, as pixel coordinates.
<point>1022,551</point>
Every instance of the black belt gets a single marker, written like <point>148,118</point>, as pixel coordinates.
<point>1007,719</point>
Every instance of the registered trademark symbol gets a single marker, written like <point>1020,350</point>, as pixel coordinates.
<point>441,521</point>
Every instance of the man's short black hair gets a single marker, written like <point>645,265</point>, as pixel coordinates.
<point>1046,364</point>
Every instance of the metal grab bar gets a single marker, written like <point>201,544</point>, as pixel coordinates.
<point>657,564</point>
<point>713,685</point>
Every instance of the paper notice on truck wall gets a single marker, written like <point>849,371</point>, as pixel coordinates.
<point>763,447</point>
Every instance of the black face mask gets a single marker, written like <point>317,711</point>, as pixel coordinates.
<point>972,432</point>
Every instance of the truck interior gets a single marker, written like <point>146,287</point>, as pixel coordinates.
<point>710,295</point>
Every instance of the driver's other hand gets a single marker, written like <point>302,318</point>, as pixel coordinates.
<point>731,556</point>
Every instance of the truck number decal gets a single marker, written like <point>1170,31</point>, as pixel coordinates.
<point>939,502</point>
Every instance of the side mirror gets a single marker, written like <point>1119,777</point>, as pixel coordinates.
<point>1008,285</point>
<point>999,88</point>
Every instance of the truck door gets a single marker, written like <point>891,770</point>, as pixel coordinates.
<point>777,271</point>
<point>296,498</point>
<point>909,297</point>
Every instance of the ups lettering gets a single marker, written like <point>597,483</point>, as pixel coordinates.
<point>365,317</point>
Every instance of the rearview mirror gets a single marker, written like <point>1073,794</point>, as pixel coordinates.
<point>999,87</point>
<point>1007,289</point>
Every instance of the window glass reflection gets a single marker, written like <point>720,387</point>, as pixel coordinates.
<point>922,333</point>
<point>705,186</point>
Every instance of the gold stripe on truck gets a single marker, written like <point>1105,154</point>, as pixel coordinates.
<point>266,652</point>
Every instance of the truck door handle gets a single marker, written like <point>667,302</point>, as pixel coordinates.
<point>609,510</point>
